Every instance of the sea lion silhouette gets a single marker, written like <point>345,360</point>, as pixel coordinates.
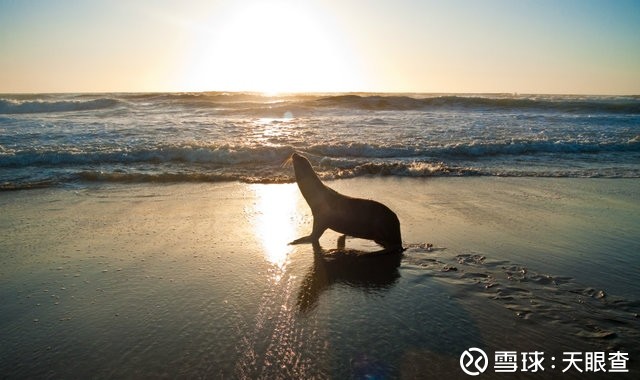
<point>356,217</point>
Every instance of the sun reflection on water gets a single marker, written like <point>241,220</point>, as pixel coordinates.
<point>273,130</point>
<point>274,223</point>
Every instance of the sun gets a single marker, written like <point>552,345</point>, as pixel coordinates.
<point>271,47</point>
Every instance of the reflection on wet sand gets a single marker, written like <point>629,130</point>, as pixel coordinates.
<point>350,267</point>
<point>274,222</point>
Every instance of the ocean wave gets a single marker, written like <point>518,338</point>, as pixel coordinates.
<point>275,172</point>
<point>324,154</point>
<point>413,169</point>
<point>533,147</point>
<point>364,150</point>
<point>617,105</point>
<point>474,149</point>
<point>10,106</point>
<point>256,104</point>
<point>190,154</point>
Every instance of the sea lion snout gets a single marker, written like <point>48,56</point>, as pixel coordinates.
<point>301,165</point>
<point>297,158</point>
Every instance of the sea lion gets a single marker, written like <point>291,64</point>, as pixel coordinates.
<point>360,218</point>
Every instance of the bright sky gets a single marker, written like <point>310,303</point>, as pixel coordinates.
<point>456,46</point>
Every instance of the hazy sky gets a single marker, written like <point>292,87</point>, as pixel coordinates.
<point>538,46</point>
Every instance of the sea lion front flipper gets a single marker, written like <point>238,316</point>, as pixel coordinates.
<point>303,240</point>
<point>313,238</point>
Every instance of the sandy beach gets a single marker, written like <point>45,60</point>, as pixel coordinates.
<point>197,280</point>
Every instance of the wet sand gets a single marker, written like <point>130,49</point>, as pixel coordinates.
<point>197,280</point>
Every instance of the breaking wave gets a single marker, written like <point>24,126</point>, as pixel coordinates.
<point>615,105</point>
<point>10,106</point>
<point>267,164</point>
<point>325,155</point>
<point>255,103</point>
<point>190,154</point>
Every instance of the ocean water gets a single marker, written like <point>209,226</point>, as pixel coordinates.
<point>76,139</point>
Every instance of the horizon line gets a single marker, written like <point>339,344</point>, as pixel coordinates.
<point>320,93</point>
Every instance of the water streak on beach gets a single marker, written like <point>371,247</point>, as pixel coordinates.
<point>73,139</point>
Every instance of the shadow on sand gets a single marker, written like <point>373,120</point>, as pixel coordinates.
<point>369,271</point>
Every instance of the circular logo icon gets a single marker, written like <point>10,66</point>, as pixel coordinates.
<point>474,361</point>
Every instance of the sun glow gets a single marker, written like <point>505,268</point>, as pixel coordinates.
<point>270,47</point>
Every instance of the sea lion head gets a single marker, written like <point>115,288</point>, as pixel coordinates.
<point>301,165</point>
<point>308,182</point>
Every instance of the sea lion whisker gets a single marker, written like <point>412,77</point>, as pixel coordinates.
<point>287,162</point>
